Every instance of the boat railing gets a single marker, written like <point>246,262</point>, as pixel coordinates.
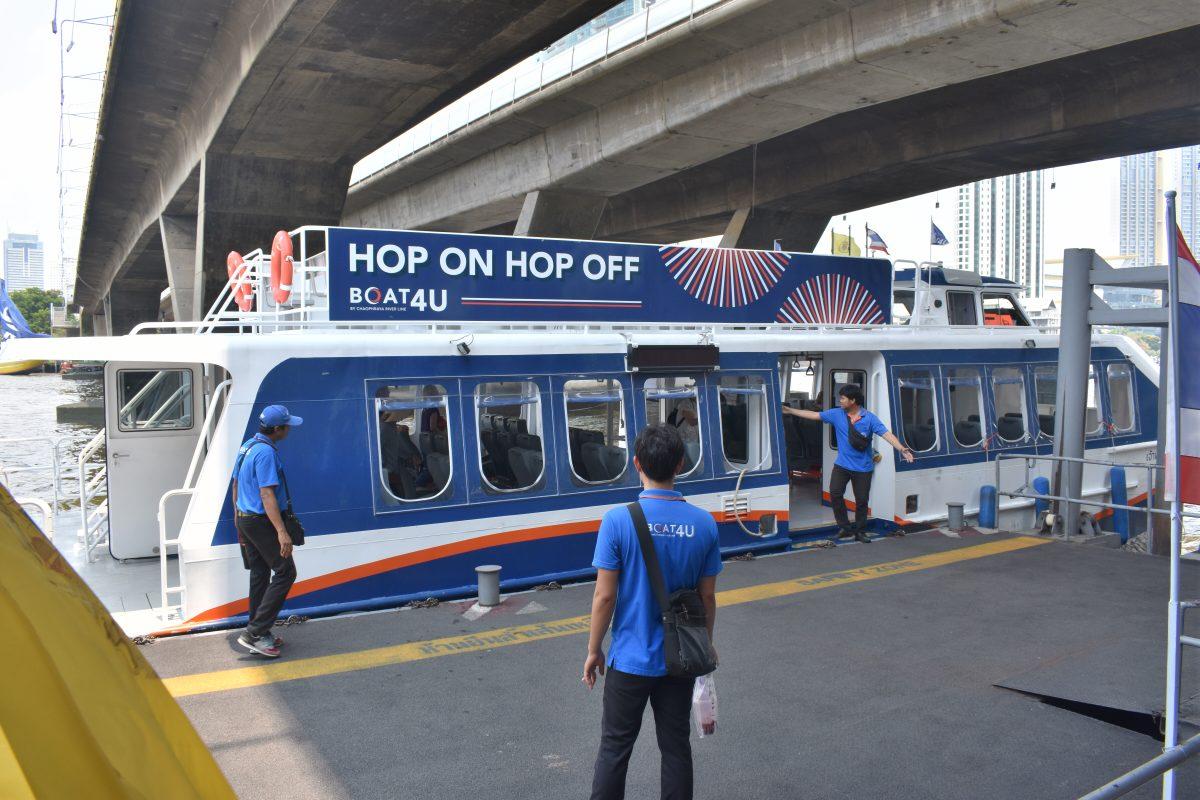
<point>94,528</point>
<point>215,407</point>
<point>42,506</point>
<point>50,465</point>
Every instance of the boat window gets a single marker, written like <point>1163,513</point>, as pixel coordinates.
<point>837,379</point>
<point>155,400</point>
<point>965,389</point>
<point>415,458</point>
<point>1120,396</point>
<point>902,306</point>
<point>598,449</point>
<point>676,401</point>
<point>509,420</point>
<point>1045,387</point>
<point>745,434</point>
<point>1001,309</point>
<point>918,409</point>
<point>1094,421</point>
<point>1008,395</point>
<point>960,308</point>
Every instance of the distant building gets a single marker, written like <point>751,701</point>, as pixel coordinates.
<point>24,267</point>
<point>1187,206</point>
<point>999,229</point>
<point>1139,220</point>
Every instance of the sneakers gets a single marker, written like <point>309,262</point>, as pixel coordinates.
<point>845,533</point>
<point>263,645</point>
<point>861,536</point>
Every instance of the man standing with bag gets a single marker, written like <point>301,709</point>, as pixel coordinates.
<point>262,532</point>
<point>683,541</point>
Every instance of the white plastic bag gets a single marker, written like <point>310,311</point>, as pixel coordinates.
<point>704,705</point>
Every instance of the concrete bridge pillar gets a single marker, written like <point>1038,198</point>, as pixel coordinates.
<point>244,200</point>
<point>570,215</point>
<point>179,250</point>
<point>131,307</point>
<point>759,228</point>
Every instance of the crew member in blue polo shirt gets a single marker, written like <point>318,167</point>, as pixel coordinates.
<point>685,539</point>
<point>852,465</point>
<point>264,539</point>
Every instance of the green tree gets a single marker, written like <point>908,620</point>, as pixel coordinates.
<point>34,305</point>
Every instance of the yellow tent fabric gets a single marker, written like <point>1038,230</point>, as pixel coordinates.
<point>82,714</point>
<point>844,245</point>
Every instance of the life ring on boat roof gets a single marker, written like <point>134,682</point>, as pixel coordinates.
<point>243,292</point>
<point>281,267</point>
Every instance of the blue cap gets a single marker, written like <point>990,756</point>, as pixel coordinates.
<point>278,415</point>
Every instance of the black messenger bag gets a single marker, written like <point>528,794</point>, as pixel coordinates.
<point>858,440</point>
<point>686,643</point>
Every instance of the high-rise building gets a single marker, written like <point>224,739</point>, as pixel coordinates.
<point>999,229</point>
<point>23,262</point>
<point>1139,220</point>
<point>1187,206</point>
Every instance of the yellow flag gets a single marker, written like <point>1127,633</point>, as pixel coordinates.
<point>82,713</point>
<point>844,245</point>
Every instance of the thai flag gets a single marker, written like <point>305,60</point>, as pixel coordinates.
<point>1186,338</point>
<point>875,242</point>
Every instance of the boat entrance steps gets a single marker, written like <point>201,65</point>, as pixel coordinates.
<point>854,671</point>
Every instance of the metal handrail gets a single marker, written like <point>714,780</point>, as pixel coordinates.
<point>91,527</point>
<point>47,515</point>
<point>163,544</point>
<point>54,466</point>
<point>1171,757</point>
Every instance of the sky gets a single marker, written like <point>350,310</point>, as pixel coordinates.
<point>1080,210</point>
<point>29,134</point>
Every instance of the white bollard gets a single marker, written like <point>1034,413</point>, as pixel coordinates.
<point>488,576</point>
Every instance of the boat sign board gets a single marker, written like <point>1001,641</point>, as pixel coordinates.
<point>380,275</point>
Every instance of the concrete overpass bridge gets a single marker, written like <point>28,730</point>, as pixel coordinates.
<point>224,120</point>
<point>760,119</point>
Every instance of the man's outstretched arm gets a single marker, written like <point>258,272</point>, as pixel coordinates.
<point>803,413</point>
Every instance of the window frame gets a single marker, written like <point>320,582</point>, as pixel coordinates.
<point>574,475</point>
<point>1094,383</point>
<point>992,369</point>
<point>1132,397</point>
<point>974,308</point>
<point>933,376</point>
<point>1052,370</point>
<point>382,474</point>
<point>191,383</point>
<point>834,388</point>
<point>981,400</point>
<point>1020,320</point>
<point>698,392</point>
<point>766,442</point>
<point>485,485</point>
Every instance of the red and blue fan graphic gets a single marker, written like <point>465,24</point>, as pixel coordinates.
<point>831,299</point>
<point>723,277</point>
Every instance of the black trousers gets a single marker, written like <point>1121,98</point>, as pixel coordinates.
<point>271,575</point>
<point>861,481</point>
<point>625,697</point>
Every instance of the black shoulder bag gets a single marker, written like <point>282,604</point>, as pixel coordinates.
<point>686,643</point>
<point>291,523</point>
<point>857,440</point>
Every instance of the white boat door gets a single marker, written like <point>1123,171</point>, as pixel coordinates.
<point>153,416</point>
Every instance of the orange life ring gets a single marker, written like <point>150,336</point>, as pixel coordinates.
<point>243,293</point>
<point>281,267</point>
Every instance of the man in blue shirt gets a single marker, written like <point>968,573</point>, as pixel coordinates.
<point>685,539</point>
<point>852,465</point>
<point>266,545</point>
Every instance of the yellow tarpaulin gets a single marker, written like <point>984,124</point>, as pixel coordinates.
<point>844,245</point>
<point>82,714</point>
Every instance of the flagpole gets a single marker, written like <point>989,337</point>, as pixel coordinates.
<point>867,239</point>
<point>1174,655</point>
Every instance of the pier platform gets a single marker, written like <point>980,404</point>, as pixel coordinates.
<point>927,666</point>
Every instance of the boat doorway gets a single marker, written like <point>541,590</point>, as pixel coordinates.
<point>153,415</point>
<point>811,381</point>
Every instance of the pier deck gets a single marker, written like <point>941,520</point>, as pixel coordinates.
<point>854,672</point>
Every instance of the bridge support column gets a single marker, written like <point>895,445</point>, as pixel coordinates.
<point>549,212</point>
<point>129,308</point>
<point>244,200</point>
<point>179,250</point>
<point>759,228</point>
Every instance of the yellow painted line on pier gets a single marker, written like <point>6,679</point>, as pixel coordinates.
<point>281,671</point>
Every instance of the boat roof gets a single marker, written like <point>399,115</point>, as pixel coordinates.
<point>943,276</point>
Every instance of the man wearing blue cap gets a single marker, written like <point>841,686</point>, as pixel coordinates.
<point>266,546</point>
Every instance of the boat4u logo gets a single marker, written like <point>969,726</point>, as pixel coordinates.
<point>373,298</point>
<point>679,530</point>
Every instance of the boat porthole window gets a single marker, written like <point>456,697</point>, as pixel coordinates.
<point>965,389</point>
<point>415,457</point>
<point>675,400</point>
<point>1008,396</point>
<point>1045,389</point>
<point>598,450</point>
<point>1094,419</point>
<point>154,400</point>
<point>918,409</point>
<point>508,416</point>
<point>1120,397</point>
<point>745,434</point>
